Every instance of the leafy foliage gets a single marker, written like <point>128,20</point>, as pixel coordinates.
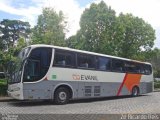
<point>96,34</point>
<point>101,31</point>
<point>10,55</point>
<point>14,35</point>
<point>155,58</point>
<point>3,87</point>
<point>11,31</point>
<point>135,37</point>
<point>49,29</point>
<point>157,84</point>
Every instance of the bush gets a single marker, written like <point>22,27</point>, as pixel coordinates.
<point>156,84</point>
<point>3,87</point>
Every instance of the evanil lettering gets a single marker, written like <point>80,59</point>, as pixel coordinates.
<point>88,77</point>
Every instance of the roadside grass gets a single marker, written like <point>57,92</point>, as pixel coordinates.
<point>3,87</point>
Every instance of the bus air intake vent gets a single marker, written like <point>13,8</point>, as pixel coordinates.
<point>97,90</point>
<point>88,91</point>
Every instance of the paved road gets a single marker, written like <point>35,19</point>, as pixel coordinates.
<point>149,103</point>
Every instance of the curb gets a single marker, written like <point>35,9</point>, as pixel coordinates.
<point>156,90</point>
<point>5,99</point>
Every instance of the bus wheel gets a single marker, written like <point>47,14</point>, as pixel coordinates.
<point>135,91</point>
<point>61,96</point>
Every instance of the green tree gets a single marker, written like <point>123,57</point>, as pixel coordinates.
<point>71,42</point>
<point>11,54</point>
<point>96,34</point>
<point>11,31</point>
<point>125,35</point>
<point>50,28</point>
<point>135,37</point>
<point>154,59</point>
<point>21,44</point>
<point>11,34</point>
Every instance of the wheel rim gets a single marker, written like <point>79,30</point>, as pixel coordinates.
<point>62,96</point>
<point>135,91</point>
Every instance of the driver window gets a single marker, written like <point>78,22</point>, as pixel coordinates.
<point>32,71</point>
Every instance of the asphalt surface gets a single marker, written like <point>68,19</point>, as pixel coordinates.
<point>144,104</point>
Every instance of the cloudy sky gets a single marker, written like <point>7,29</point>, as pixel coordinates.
<point>28,10</point>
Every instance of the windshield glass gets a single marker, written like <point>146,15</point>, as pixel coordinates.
<point>24,53</point>
<point>37,64</point>
<point>15,67</point>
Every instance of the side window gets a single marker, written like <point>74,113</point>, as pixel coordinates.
<point>147,69</point>
<point>104,63</point>
<point>85,61</point>
<point>64,59</point>
<point>132,67</point>
<point>140,68</point>
<point>59,59</point>
<point>117,65</point>
<point>46,58</point>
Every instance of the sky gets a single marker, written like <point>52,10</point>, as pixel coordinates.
<point>28,10</point>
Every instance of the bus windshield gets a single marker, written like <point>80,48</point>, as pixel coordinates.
<point>37,64</point>
<point>15,67</point>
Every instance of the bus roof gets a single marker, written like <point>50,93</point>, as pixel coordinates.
<point>87,52</point>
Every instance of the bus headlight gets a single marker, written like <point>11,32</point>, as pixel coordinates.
<point>16,89</point>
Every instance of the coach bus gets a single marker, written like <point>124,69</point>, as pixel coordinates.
<point>45,72</point>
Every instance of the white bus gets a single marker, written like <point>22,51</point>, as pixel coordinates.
<point>60,74</point>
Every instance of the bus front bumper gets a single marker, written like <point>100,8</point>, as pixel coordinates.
<point>15,94</point>
<point>15,91</point>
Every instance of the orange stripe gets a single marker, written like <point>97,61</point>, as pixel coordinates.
<point>129,81</point>
<point>132,80</point>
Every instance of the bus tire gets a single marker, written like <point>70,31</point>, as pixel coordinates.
<point>61,96</point>
<point>135,91</point>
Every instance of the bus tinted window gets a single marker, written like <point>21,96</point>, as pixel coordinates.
<point>117,65</point>
<point>104,63</point>
<point>132,67</point>
<point>138,68</point>
<point>64,59</point>
<point>147,69</point>
<point>86,61</point>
